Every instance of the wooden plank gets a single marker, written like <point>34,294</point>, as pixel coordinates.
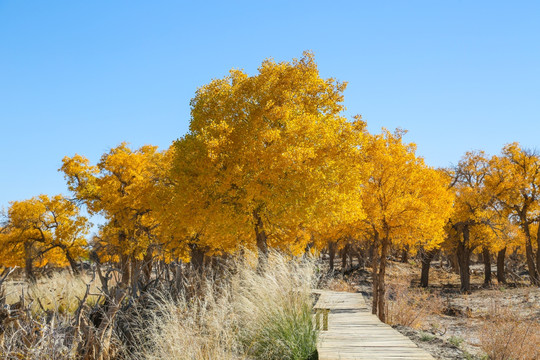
<point>356,334</point>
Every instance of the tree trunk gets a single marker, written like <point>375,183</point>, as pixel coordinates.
<point>464,258</point>
<point>165,268</point>
<point>538,255</point>
<point>197,258</point>
<point>179,277</point>
<point>374,277</point>
<point>360,254</point>
<point>125,270</point>
<point>487,266</point>
<point>148,264</point>
<point>29,270</point>
<point>500,266</point>
<point>405,255</point>
<point>427,257</point>
<point>262,241</point>
<point>344,255</point>
<point>72,263</point>
<point>124,261</point>
<point>29,262</point>
<point>331,253</point>
<point>529,254</point>
<point>381,288</point>
<point>135,275</point>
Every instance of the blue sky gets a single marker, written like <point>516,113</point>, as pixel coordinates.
<point>83,76</point>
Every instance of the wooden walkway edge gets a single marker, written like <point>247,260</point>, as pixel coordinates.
<point>356,334</point>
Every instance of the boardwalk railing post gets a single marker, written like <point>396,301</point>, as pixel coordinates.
<point>325,319</point>
<point>324,313</point>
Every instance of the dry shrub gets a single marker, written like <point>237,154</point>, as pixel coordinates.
<point>340,285</point>
<point>26,336</point>
<point>505,335</point>
<point>411,306</point>
<point>37,319</point>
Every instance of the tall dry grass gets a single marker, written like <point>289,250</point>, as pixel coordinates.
<point>60,292</point>
<point>253,315</point>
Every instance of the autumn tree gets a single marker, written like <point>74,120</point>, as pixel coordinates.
<point>43,230</point>
<point>406,203</point>
<point>515,180</point>
<point>276,152</point>
<point>120,187</point>
<point>476,224</point>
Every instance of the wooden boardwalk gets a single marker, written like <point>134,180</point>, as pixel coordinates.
<point>354,333</point>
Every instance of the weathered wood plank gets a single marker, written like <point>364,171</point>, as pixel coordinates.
<point>354,333</point>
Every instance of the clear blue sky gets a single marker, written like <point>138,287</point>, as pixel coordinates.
<point>82,76</point>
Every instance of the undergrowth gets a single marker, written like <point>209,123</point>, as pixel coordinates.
<point>507,335</point>
<point>235,312</point>
<point>253,315</point>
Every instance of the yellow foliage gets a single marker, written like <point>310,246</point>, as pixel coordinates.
<point>268,154</point>
<point>119,187</point>
<point>474,205</point>
<point>406,201</point>
<point>43,230</point>
<point>515,184</point>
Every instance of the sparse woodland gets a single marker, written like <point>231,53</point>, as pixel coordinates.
<point>209,248</point>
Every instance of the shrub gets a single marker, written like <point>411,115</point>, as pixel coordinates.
<point>426,337</point>
<point>507,335</point>
<point>456,341</point>
<point>411,306</point>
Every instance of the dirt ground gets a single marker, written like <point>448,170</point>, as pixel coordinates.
<point>452,327</point>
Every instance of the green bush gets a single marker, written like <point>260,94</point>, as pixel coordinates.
<point>287,334</point>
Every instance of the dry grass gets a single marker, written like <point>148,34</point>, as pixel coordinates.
<point>411,306</point>
<point>188,331</point>
<point>505,335</point>
<point>235,314</point>
<point>252,316</point>
<point>59,293</point>
<point>37,321</point>
<point>339,284</point>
